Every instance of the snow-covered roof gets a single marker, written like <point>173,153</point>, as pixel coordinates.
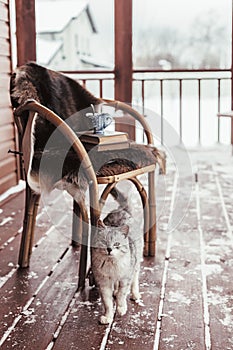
<point>95,62</point>
<point>53,16</point>
<point>46,50</point>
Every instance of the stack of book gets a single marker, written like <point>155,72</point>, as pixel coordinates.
<point>110,140</point>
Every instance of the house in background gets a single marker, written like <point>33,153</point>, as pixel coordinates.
<point>65,30</point>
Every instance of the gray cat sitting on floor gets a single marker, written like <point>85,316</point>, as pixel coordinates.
<point>116,255</point>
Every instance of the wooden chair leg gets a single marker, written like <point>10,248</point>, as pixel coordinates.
<point>31,208</point>
<point>152,213</point>
<point>145,204</point>
<point>105,194</point>
<point>84,248</point>
<point>76,225</point>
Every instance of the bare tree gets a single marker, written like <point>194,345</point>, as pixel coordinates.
<point>154,45</point>
<point>204,45</point>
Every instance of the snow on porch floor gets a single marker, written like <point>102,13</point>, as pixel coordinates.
<point>187,289</point>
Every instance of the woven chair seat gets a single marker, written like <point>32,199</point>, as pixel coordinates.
<point>107,163</point>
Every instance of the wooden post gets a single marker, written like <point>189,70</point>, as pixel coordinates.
<point>25,31</point>
<point>123,60</point>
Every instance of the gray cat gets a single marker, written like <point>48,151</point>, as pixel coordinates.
<point>116,255</point>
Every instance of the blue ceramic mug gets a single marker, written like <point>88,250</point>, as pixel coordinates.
<point>100,121</point>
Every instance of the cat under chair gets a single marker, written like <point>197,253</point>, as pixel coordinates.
<point>116,254</point>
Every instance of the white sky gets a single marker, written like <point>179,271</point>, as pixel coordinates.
<point>177,12</point>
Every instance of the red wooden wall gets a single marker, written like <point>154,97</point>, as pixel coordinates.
<point>8,165</point>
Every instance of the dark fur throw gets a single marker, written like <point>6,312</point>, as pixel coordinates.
<point>68,99</point>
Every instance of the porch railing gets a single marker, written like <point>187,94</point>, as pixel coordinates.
<point>188,100</point>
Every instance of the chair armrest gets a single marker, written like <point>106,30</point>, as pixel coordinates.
<point>135,114</point>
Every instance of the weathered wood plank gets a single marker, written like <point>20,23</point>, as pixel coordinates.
<point>132,329</point>
<point>21,287</point>
<point>8,181</point>
<point>47,217</point>
<point>136,330</point>
<point>182,321</point>
<point>7,166</point>
<point>5,148</point>
<point>219,261</point>
<point>4,12</point>
<point>4,30</point>
<point>5,65</point>
<point>6,132</point>
<point>9,260</point>
<point>225,179</point>
<point>37,326</point>
<point>8,172</point>
<point>11,218</point>
<point>4,83</point>
<point>5,98</point>
<point>6,116</point>
<point>5,1</point>
<point>82,327</point>
<point>4,47</point>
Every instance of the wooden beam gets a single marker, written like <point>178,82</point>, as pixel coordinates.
<point>25,31</point>
<point>123,60</point>
<point>123,50</point>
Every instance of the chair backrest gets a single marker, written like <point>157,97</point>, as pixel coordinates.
<point>65,97</point>
<point>62,95</point>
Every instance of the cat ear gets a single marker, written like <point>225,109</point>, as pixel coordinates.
<point>125,230</point>
<point>100,224</point>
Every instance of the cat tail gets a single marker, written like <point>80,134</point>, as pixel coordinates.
<point>121,199</point>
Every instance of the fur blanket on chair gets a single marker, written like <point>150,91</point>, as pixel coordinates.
<point>67,98</point>
<point>62,95</point>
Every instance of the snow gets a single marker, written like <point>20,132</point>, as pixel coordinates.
<point>15,189</point>
<point>48,22</point>
<point>175,297</point>
<point>211,269</point>
<point>95,62</point>
<point>32,275</point>
<point>6,220</point>
<point>177,277</point>
<point>28,312</point>
<point>46,50</point>
<point>170,338</point>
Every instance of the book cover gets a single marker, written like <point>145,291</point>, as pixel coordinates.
<point>106,146</point>
<point>108,137</point>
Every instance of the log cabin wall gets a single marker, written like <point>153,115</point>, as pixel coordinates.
<point>8,162</point>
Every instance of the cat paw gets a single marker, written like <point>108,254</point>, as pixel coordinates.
<point>105,319</point>
<point>135,296</point>
<point>122,310</point>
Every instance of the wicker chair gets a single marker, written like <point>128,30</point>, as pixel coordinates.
<point>26,110</point>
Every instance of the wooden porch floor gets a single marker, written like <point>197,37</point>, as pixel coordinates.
<point>187,290</point>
